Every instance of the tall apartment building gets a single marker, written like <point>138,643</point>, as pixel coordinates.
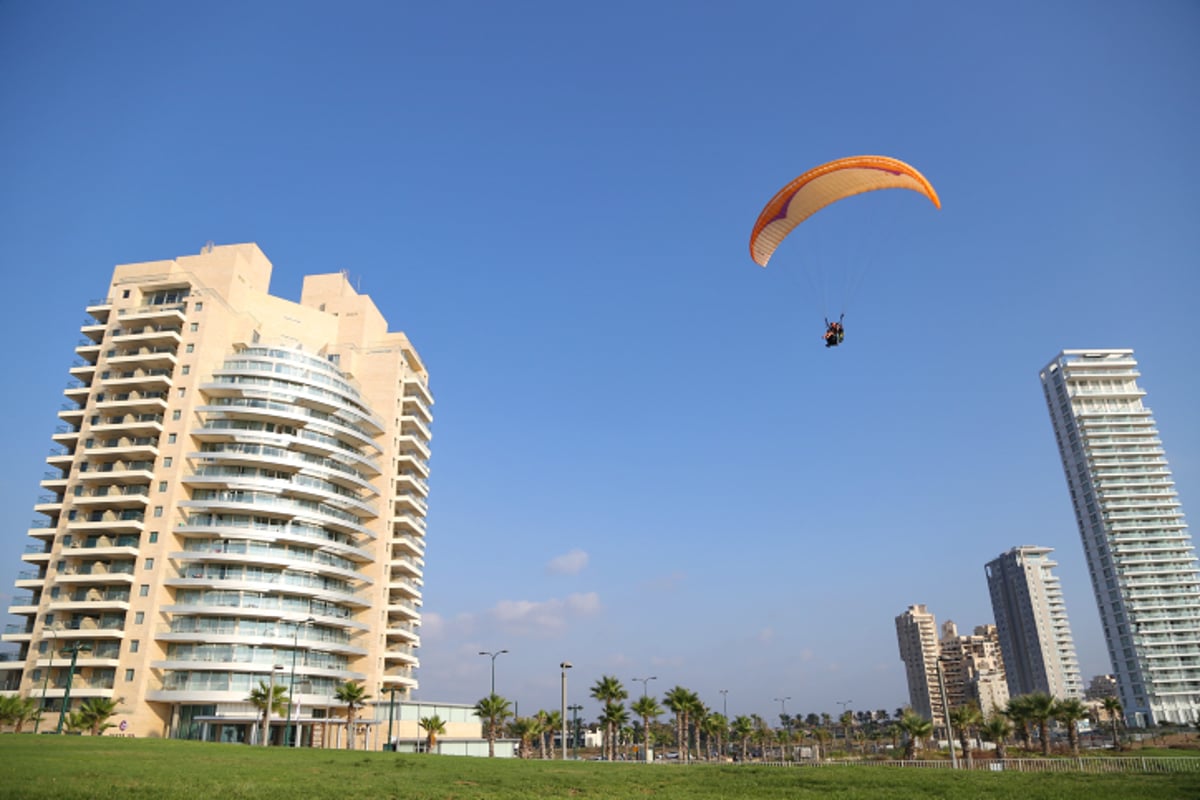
<point>1031,620</point>
<point>1140,556</point>
<point>237,494</point>
<point>916,633</point>
<point>973,668</point>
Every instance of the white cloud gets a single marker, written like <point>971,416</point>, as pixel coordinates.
<point>571,563</point>
<point>543,617</point>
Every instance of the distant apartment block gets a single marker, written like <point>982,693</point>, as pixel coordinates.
<point>917,636</point>
<point>1031,620</point>
<point>237,495</point>
<point>973,668</point>
<point>1139,553</point>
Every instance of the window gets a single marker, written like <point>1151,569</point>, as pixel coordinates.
<point>134,644</point>
<point>144,590</point>
<point>158,511</point>
<point>153,537</point>
<point>149,563</point>
<point>195,326</point>
<point>128,675</point>
<point>170,438</point>
<point>162,486</point>
<point>176,414</point>
<point>139,617</point>
<point>198,306</point>
<point>181,392</point>
<point>186,369</point>
<point>191,348</point>
<point>167,461</point>
<point>125,295</point>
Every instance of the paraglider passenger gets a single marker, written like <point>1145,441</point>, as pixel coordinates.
<point>834,333</point>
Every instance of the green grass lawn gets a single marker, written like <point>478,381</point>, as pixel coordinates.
<point>85,768</point>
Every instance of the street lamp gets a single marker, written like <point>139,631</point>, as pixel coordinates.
<point>391,714</point>
<point>266,726</point>
<point>74,650</point>
<point>292,681</point>
<point>564,666</point>
<point>493,655</point>
<point>725,703</point>
<point>646,681</point>
<point>782,705</point>
<point>575,728</point>
<point>53,631</point>
<point>845,729</point>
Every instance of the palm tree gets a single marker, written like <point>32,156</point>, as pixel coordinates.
<point>17,711</point>
<point>434,727</point>
<point>743,729</point>
<point>965,719</point>
<point>268,699</point>
<point>550,721</point>
<point>355,696</point>
<point>97,712</point>
<point>525,730</point>
<point>492,711</point>
<point>997,729</point>
<point>1018,710</point>
<point>822,737</point>
<point>609,690</point>
<point>682,702</point>
<point>715,726</point>
<point>1069,712</point>
<point>615,716</point>
<point>696,713</point>
<point>1112,708</point>
<point>647,708</point>
<point>847,721</point>
<point>1041,711</point>
<point>918,729</point>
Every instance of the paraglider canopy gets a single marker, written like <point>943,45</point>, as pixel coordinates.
<point>827,184</point>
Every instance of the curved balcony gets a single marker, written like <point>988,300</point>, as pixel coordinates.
<point>133,334</point>
<point>244,526</point>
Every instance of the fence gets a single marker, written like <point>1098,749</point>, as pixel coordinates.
<point>1093,765</point>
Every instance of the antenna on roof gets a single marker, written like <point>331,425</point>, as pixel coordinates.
<point>208,247</point>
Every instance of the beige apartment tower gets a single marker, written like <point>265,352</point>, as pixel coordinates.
<point>917,636</point>
<point>237,494</point>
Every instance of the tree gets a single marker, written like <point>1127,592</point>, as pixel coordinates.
<point>847,721</point>
<point>997,729</point>
<point>355,696</point>
<point>822,737</point>
<point>549,722</point>
<point>918,729</point>
<point>1069,712</point>
<point>715,727</point>
<point>268,699</point>
<point>965,719</point>
<point>492,711</point>
<point>1040,710</point>
<point>525,729</point>
<point>743,729</point>
<point>434,727</point>
<point>647,708</point>
<point>609,690</point>
<point>16,711</point>
<point>1018,711</point>
<point>614,717</point>
<point>96,713</point>
<point>681,702</point>
<point>1112,708</point>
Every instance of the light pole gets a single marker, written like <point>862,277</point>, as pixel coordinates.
<point>266,726</point>
<point>74,650</point>
<point>725,703</point>
<point>292,681</point>
<point>391,714</point>
<point>53,631</point>
<point>564,666</point>
<point>575,728</point>
<point>646,681</point>
<point>846,728</point>
<point>946,716</point>
<point>493,655</point>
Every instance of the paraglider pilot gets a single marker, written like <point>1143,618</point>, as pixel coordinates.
<point>835,333</point>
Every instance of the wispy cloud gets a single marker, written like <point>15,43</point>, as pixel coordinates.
<point>571,563</point>
<point>543,617</point>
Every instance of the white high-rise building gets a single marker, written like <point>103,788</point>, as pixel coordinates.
<point>1139,553</point>
<point>1031,619</point>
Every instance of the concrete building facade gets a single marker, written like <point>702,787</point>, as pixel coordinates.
<point>237,495</point>
<point>1140,556</point>
<point>1031,621</point>
<point>917,636</point>
<point>973,668</point>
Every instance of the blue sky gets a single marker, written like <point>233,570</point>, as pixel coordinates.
<point>644,460</point>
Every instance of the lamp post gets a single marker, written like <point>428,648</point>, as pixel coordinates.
<point>946,715</point>
<point>846,729</point>
<point>493,655</point>
<point>725,703</point>
<point>74,650</point>
<point>266,726</point>
<point>575,728</point>
<point>564,666</point>
<point>53,631</point>
<point>292,680</point>
<point>645,682</point>
<point>391,715</point>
